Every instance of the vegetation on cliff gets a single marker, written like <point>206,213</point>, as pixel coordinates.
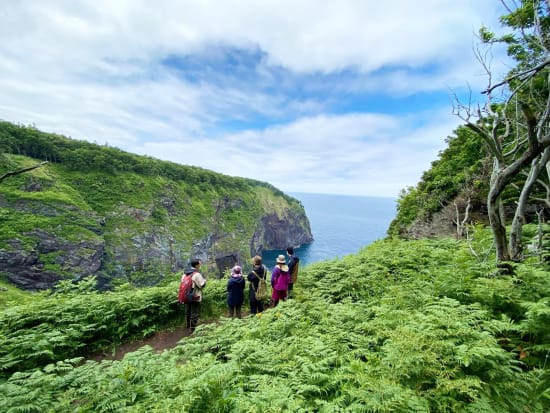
<point>459,173</point>
<point>512,128</point>
<point>98,210</point>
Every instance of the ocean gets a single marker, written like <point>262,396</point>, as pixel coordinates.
<point>341,225</point>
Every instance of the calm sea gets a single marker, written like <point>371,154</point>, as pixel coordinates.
<point>341,225</point>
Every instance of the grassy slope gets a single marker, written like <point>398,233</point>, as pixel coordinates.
<point>399,327</point>
<point>11,295</point>
<point>120,208</point>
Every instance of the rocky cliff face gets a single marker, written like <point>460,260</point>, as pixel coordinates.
<point>275,232</point>
<point>58,227</point>
<point>25,268</point>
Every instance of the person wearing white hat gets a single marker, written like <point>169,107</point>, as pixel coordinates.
<point>280,278</point>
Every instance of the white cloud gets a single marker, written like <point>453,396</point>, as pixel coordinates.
<point>95,70</point>
<point>349,154</point>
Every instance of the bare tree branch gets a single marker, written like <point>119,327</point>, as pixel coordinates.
<point>20,171</point>
<point>461,224</point>
<point>526,74</point>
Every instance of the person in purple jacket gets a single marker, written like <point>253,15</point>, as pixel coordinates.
<point>280,278</point>
<point>235,292</point>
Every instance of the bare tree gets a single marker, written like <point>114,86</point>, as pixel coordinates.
<point>461,223</point>
<point>22,170</point>
<point>515,128</point>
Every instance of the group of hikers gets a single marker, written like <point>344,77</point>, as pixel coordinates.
<point>283,277</point>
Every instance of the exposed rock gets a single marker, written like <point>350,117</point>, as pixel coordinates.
<point>25,268</point>
<point>275,233</point>
<point>33,279</point>
<point>169,204</point>
<point>32,186</point>
<point>443,222</point>
<point>140,239</point>
<point>227,261</point>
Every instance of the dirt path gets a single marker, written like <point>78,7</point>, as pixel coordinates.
<point>160,341</point>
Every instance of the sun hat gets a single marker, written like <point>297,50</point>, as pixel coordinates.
<point>281,259</point>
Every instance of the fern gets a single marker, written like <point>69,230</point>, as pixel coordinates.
<point>381,331</point>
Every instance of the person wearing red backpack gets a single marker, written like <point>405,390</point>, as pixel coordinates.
<point>199,282</point>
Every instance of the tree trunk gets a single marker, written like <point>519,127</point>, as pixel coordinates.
<point>495,210</point>
<point>461,224</point>
<point>540,234</point>
<point>498,227</point>
<point>516,231</point>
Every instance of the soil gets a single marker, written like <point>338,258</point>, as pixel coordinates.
<point>160,341</point>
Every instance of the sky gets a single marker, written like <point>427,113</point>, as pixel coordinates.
<point>349,97</point>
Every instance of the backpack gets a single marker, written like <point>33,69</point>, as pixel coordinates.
<point>294,274</point>
<point>261,292</point>
<point>186,292</point>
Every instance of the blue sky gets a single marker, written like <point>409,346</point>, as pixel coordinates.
<point>343,97</point>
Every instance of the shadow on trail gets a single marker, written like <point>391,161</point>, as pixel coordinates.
<point>159,341</point>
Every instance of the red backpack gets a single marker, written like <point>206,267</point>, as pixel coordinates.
<point>186,292</point>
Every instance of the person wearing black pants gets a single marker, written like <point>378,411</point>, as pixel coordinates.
<point>194,307</point>
<point>258,272</point>
<point>293,263</point>
<point>235,292</point>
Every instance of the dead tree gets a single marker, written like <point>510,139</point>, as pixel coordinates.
<point>515,130</point>
<point>461,223</point>
<point>22,170</point>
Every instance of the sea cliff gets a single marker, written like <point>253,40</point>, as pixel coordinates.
<point>60,221</point>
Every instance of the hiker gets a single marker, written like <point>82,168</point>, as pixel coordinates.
<point>258,272</point>
<point>194,306</point>
<point>235,292</point>
<point>293,263</point>
<point>280,277</point>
